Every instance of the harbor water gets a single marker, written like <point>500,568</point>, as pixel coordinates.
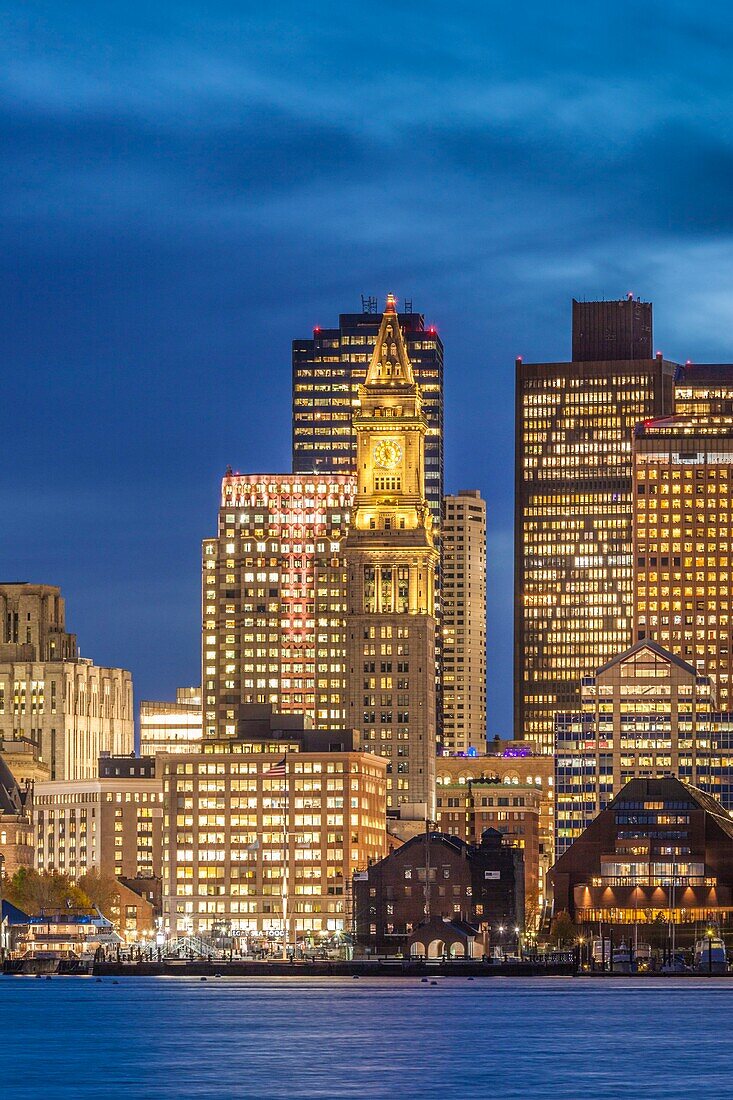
<point>80,1038</point>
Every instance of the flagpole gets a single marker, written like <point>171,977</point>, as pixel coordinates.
<point>286,863</point>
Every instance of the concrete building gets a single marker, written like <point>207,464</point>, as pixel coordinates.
<point>660,854</point>
<point>274,599</point>
<point>391,562</point>
<point>112,824</point>
<point>438,877</point>
<point>265,829</point>
<point>171,727</point>
<point>463,599</point>
<point>67,706</point>
<point>683,539</point>
<point>574,506</point>
<point>647,713</point>
<point>328,371</point>
<point>16,824</point>
<point>524,782</point>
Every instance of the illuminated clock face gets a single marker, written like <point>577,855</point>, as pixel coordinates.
<point>387,454</point>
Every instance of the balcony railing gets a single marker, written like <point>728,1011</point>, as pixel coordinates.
<point>656,880</point>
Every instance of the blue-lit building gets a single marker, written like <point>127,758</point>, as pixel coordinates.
<point>646,714</point>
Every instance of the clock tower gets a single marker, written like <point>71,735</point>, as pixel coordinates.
<point>391,560</point>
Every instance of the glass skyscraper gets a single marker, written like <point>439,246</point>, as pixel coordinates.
<point>574,507</point>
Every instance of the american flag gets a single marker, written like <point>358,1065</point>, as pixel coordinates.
<point>277,770</point>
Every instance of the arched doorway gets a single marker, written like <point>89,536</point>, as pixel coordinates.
<point>436,950</point>
<point>457,951</point>
<point>417,948</point>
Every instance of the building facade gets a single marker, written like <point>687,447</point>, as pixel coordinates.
<point>274,599</point>
<point>438,877</point>
<point>660,854</point>
<point>328,371</point>
<point>574,512</point>
<point>171,727</point>
<point>391,560</point>
<point>645,714</point>
<point>516,774</point>
<point>683,538</point>
<point>67,706</point>
<point>463,620</point>
<point>112,824</point>
<point>16,824</point>
<point>264,831</point>
<point>703,390</point>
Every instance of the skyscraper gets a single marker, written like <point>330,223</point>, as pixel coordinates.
<point>464,622</point>
<point>390,561</point>
<point>683,541</point>
<point>327,373</point>
<point>274,600</point>
<point>573,522</point>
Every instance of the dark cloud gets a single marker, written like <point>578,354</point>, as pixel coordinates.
<point>184,190</point>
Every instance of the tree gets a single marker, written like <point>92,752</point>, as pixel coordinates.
<point>103,891</point>
<point>563,932</point>
<point>32,891</point>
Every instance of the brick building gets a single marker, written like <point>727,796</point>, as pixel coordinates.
<point>439,876</point>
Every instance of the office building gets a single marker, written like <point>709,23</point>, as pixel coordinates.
<point>612,331</point>
<point>660,854</point>
<point>16,824</point>
<point>327,373</point>
<point>391,559</point>
<point>264,830</point>
<point>274,600</point>
<point>645,714</point>
<point>463,620</point>
<point>703,390</point>
<point>406,898</point>
<point>467,810</point>
<point>683,540</point>
<point>171,727</point>
<point>574,508</point>
<point>68,707</point>
<point>112,824</point>
<point>512,792</point>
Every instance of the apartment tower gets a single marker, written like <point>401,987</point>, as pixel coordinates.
<point>464,622</point>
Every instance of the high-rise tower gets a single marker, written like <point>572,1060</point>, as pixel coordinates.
<point>391,560</point>
<point>328,370</point>
<point>573,521</point>
<point>464,622</point>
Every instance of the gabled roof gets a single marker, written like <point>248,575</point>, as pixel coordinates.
<point>390,363</point>
<point>11,796</point>
<point>670,789</point>
<point>654,647</point>
<point>12,914</point>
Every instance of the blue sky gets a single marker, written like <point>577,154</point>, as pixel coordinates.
<point>185,188</point>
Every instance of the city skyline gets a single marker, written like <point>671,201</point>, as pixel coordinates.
<point>181,235</point>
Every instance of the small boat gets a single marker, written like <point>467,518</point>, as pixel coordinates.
<point>55,939</point>
<point>710,956</point>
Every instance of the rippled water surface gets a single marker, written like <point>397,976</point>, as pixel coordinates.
<point>176,1037</point>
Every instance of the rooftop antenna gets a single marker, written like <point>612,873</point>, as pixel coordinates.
<point>368,304</point>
